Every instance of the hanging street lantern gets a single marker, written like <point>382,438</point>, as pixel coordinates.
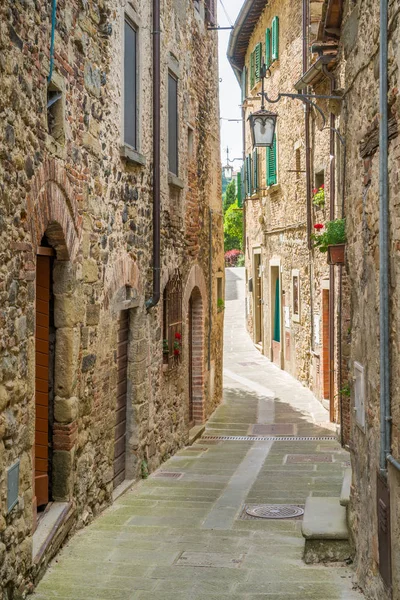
<point>262,126</point>
<point>263,122</point>
<point>228,172</point>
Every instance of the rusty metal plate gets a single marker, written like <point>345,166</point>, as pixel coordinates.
<point>168,475</point>
<point>273,429</point>
<point>274,511</point>
<point>216,560</point>
<point>308,458</point>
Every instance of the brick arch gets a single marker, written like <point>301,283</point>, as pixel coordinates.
<point>195,279</point>
<point>53,210</point>
<point>196,292</point>
<point>124,273</point>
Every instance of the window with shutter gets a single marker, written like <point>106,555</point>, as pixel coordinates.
<point>275,38</point>
<point>268,47</point>
<point>252,73</point>
<point>272,164</point>
<point>257,61</point>
<point>255,171</point>
<point>244,84</point>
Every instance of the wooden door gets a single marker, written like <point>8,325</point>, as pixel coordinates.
<point>43,271</point>
<point>122,382</point>
<point>190,361</point>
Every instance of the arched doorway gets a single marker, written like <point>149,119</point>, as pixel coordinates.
<point>196,358</point>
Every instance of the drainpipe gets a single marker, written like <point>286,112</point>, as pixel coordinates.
<point>308,171</point>
<point>210,266</point>
<point>153,301</point>
<point>332,214</point>
<point>53,31</point>
<point>384,233</point>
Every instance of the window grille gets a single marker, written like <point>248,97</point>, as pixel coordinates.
<point>172,321</point>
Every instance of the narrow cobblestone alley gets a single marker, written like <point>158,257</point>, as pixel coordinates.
<point>181,533</point>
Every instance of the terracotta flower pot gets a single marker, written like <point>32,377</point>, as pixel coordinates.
<point>336,254</point>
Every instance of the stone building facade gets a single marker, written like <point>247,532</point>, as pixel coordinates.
<point>291,290</point>
<point>97,389</point>
<point>375,500</point>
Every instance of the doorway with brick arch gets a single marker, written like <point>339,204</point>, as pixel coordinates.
<point>196,358</point>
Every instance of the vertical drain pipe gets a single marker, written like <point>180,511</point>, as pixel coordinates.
<point>53,33</point>
<point>308,172</point>
<point>210,266</point>
<point>153,301</point>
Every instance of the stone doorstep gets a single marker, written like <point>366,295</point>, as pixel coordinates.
<point>51,532</point>
<point>346,487</point>
<point>325,529</point>
<point>324,519</point>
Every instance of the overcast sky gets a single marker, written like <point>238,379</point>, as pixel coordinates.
<point>231,133</point>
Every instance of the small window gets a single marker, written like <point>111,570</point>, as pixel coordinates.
<point>55,113</point>
<point>130,85</point>
<point>220,294</point>
<point>359,395</point>
<point>296,295</point>
<point>319,179</point>
<point>172,321</point>
<point>173,124</point>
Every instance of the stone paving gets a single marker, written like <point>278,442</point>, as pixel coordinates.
<point>188,538</point>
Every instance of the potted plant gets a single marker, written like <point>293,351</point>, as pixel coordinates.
<point>220,305</point>
<point>319,196</point>
<point>332,240</point>
<point>177,345</point>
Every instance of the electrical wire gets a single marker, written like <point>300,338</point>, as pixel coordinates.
<point>226,13</point>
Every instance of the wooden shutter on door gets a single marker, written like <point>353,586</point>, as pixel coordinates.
<point>42,380</point>
<point>272,164</point>
<point>122,383</point>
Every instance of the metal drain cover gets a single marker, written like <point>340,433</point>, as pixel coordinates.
<point>275,511</point>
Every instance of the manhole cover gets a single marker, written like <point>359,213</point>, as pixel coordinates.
<point>274,428</point>
<point>275,511</point>
<point>308,458</point>
<point>168,475</point>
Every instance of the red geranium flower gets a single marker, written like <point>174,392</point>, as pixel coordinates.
<point>323,186</point>
<point>176,352</point>
<point>314,191</point>
<point>178,336</point>
<point>318,226</point>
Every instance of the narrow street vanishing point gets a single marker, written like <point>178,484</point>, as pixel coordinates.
<point>184,532</point>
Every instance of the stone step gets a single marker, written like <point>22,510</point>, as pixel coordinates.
<point>345,493</point>
<point>325,531</point>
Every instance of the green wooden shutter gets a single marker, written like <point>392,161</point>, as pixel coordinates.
<point>243,84</point>
<point>239,189</point>
<point>257,61</point>
<point>248,177</point>
<point>268,47</point>
<point>277,319</point>
<point>272,164</point>
<point>252,74</point>
<point>255,170</point>
<point>275,38</point>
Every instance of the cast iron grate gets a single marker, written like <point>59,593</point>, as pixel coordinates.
<point>308,458</point>
<point>271,511</point>
<point>168,474</point>
<point>272,429</point>
<point>251,438</point>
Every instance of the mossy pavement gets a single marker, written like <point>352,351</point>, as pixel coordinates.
<point>186,538</point>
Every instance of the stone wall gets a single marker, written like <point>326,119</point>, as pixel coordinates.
<point>359,69</point>
<point>94,208</point>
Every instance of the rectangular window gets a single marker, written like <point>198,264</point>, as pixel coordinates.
<point>272,174</point>
<point>173,124</point>
<point>296,295</point>
<point>130,85</point>
<point>359,395</point>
